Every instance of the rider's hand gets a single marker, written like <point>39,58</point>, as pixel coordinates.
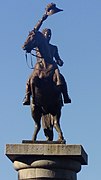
<point>60,62</point>
<point>44,17</point>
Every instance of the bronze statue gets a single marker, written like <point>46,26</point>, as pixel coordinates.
<point>46,85</point>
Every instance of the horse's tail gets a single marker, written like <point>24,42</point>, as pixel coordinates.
<point>47,126</point>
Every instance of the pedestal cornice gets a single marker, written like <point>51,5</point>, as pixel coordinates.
<point>76,152</point>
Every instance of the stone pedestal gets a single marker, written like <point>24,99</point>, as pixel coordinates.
<point>46,161</point>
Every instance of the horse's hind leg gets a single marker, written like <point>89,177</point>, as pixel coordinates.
<point>56,120</point>
<point>58,129</point>
<point>36,114</point>
<point>37,129</point>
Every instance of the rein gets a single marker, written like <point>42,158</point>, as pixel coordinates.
<point>30,67</point>
<point>31,54</point>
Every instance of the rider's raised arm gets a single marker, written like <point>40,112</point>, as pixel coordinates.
<point>38,25</point>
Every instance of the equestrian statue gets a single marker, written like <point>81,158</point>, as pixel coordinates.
<point>46,88</point>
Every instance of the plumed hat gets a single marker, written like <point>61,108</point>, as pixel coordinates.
<point>52,9</point>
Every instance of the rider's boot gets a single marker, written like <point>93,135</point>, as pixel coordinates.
<point>64,91</point>
<point>26,100</point>
<point>66,97</point>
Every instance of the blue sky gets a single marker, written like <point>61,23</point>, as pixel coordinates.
<point>77,33</point>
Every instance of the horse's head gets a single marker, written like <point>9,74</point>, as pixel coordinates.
<point>30,42</point>
<point>34,39</point>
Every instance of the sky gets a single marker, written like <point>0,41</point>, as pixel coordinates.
<point>77,33</point>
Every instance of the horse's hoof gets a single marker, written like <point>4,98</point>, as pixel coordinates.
<point>64,141</point>
<point>33,141</point>
<point>49,139</point>
<point>61,140</point>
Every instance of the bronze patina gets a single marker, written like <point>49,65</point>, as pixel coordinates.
<point>46,88</point>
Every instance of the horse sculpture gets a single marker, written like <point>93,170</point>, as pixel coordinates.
<point>47,105</point>
<point>46,97</point>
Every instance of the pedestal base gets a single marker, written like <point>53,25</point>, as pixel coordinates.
<point>46,161</point>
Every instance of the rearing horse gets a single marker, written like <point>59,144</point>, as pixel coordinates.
<point>46,97</point>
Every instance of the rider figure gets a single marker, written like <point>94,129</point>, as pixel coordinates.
<point>53,50</point>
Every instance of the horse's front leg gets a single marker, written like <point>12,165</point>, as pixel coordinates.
<point>56,120</point>
<point>36,114</point>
